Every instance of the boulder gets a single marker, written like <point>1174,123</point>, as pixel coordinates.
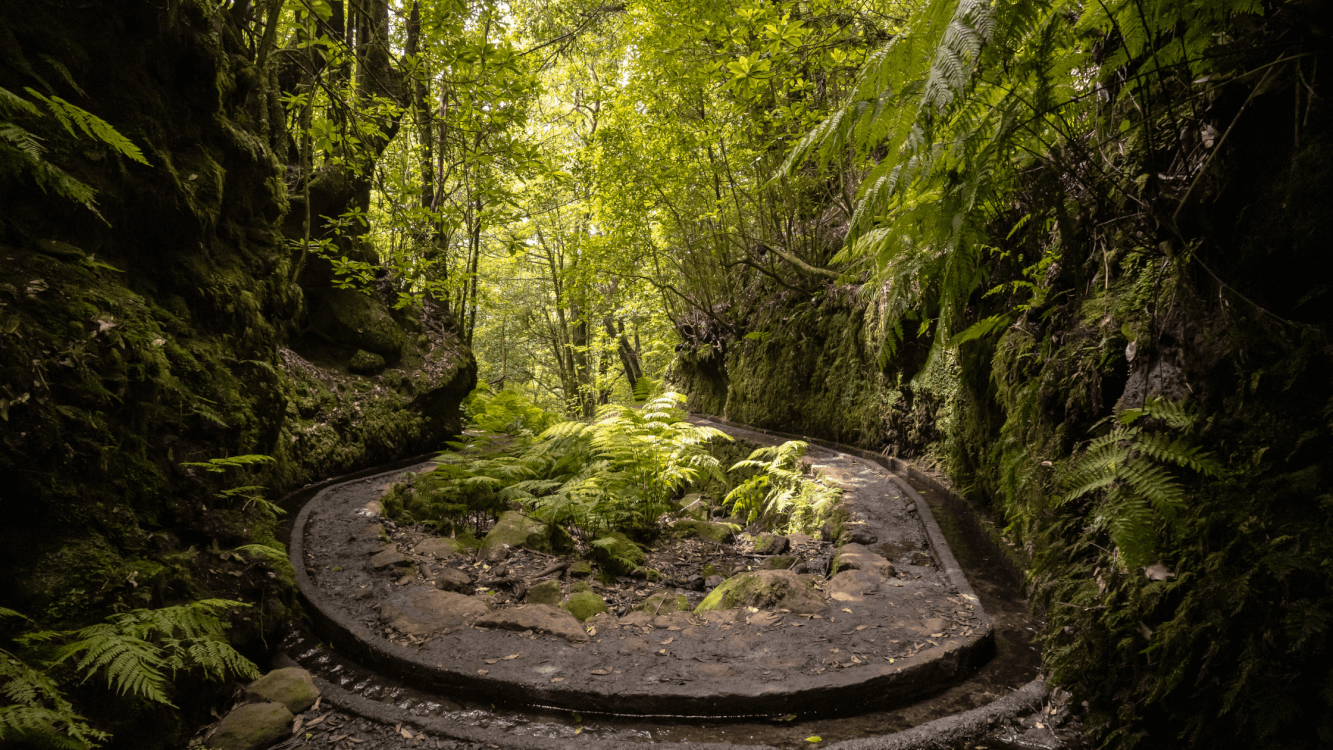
<point>539,618</point>
<point>353,319</point>
<point>860,535</point>
<point>365,363</point>
<point>663,604</point>
<point>441,548</point>
<point>766,589</point>
<point>584,605</point>
<point>453,580</point>
<point>580,569</point>
<point>770,544</point>
<point>291,686</point>
<point>389,558</point>
<point>252,726</point>
<point>853,585</point>
<point>514,530</point>
<point>859,557</point>
<point>717,533</point>
<point>418,610</point>
<point>617,555</point>
<point>546,592</point>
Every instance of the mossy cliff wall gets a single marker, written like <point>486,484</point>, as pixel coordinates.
<point>163,331</point>
<point>1224,637</point>
<point>809,365</point>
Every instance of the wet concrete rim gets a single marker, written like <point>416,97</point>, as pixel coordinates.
<point>939,733</point>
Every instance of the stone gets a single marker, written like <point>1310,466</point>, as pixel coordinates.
<point>861,535</point>
<point>678,619</point>
<point>514,530</point>
<point>579,586</point>
<point>580,569</point>
<point>717,533</point>
<point>922,559</point>
<point>853,585</point>
<point>449,579</point>
<point>546,592</point>
<point>605,621</point>
<point>365,363</point>
<point>539,618</point>
<point>389,558</point>
<point>418,610</point>
<point>766,589</point>
<point>291,686</point>
<point>858,557</point>
<point>780,563</point>
<point>663,604</point>
<point>637,618</point>
<point>713,581</point>
<point>770,544</point>
<point>440,547</point>
<point>584,605</point>
<point>252,726</point>
<point>358,320</point>
<point>618,555</point>
<point>695,583</point>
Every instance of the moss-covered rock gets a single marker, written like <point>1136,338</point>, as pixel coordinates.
<point>546,592</point>
<point>365,363</point>
<point>780,563</point>
<point>584,605</point>
<point>617,554</point>
<point>770,544</point>
<point>766,589</point>
<point>252,726</point>
<point>663,603</point>
<point>580,569</point>
<point>290,686</point>
<point>358,321</point>
<point>513,530</point>
<point>718,533</point>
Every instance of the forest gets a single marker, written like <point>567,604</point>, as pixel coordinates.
<point>1060,255</point>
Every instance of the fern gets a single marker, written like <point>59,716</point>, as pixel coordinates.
<point>1126,470</point>
<point>92,126</point>
<point>778,493</point>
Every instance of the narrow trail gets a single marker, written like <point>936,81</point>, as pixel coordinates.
<point>378,707</point>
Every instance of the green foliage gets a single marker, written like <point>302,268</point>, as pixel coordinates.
<point>508,412</point>
<point>778,493</point>
<point>1137,496</point>
<point>138,653</point>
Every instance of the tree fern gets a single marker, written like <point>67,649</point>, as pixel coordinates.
<point>1126,471</point>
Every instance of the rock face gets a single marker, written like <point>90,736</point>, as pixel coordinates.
<point>766,589</point>
<point>853,585</point>
<point>253,726</point>
<point>292,687</point>
<point>514,530</point>
<point>417,610</point>
<point>713,532</point>
<point>858,557</point>
<point>539,618</point>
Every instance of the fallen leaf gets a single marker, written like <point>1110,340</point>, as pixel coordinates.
<point>814,738</point>
<point>1158,572</point>
<point>848,611</point>
<point>600,671</point>
<point>936,635</point>
<point>668,641</point>
<point>313,722</point>
<point>558,679</point>
<point>406,734</point>
<point>483,671</point>
<point>512,656</point>
<point>492,661</point>
<point>339,738</point>
<point>296,727</point>
<point>862,627</point>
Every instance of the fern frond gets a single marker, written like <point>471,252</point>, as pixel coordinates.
<point>92,126</point>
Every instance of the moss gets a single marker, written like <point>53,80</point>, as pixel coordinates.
<point>617,554</point>
<point>664,604</point>
<point>718,533</point>
<point>365,363</point>
<point>546,592</point>
<point>584,605</point>
<point>765,589</point>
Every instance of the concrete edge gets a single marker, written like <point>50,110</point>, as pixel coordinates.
<point>828,694</point>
